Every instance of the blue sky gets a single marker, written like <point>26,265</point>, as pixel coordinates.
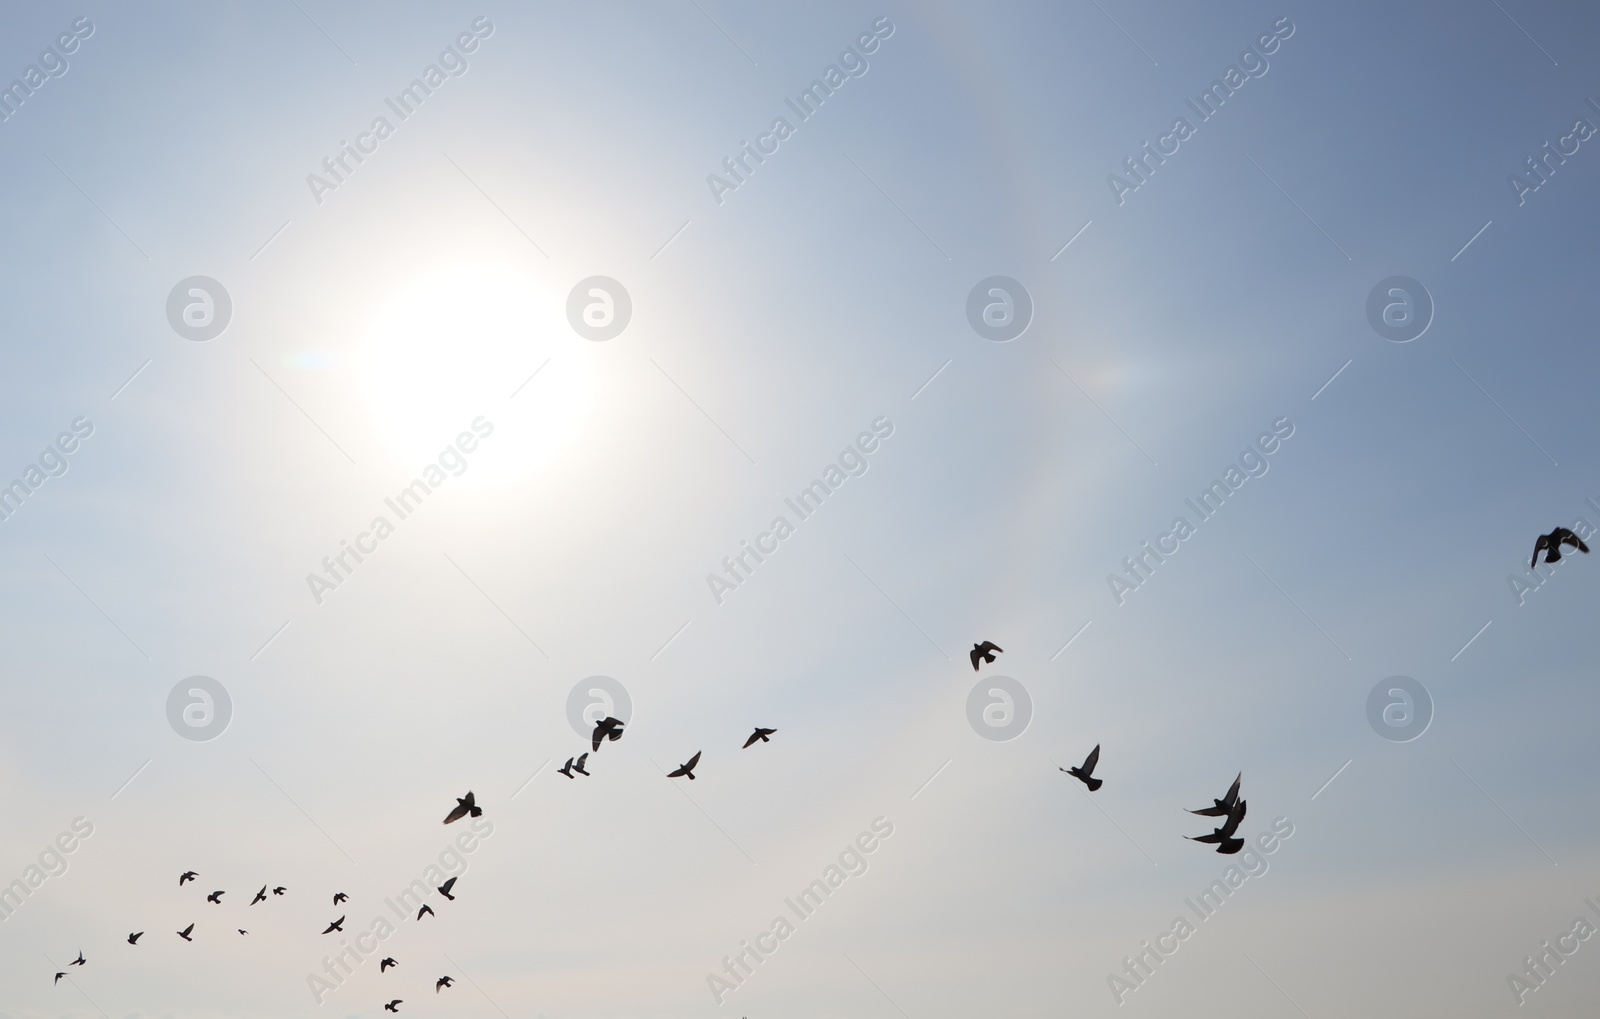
<point>429,290</point>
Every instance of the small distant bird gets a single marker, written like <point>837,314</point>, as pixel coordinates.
<point>579,766</point>
<point>187,875</point>
<point>241,930</point>
<point>385,964</point>
<point>337,925</point>
<point>260,896</point>
<point>1224,806</point>
<point>464,805</point>
<point>392,1006</point>
<point>760,734</point>
<point>426,909</point>
<point>57,980</point>
<point>1086,773</point>
<point>444,889</point>
<point>1223,837</point>
<point>184,934</point>
<point>1553,541</point>
<point>279,890</point>
<point>133,939</point>
<point>566,769</point>
<point>442,982</point>
<point>686,769</point>
<point>607,728</point>
<point>985,651</point>
<point>215,897</point>
<point>79,961</point>
<point>339,897</point>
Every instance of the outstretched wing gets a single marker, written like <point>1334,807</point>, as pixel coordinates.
<point>1539,546</point>
<point>693,761</point>
<point>977,652</point>
<point>1233,790</point>
<point>1092,761</point>
<point>1215,836</point>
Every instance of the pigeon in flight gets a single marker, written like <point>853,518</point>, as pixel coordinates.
<point>566,769</point>
<point>215,897</point>
<point>57,980</point>
<point>426,909</point>
<point>133,939</point>
<point>392,1006</point>
<point>241,930</point>
<point>464,805</point>
<point>260,896</point>
<point>337,925</point>
<point>1553,542</point>
<point>442,982</point>
<point>607,728</point>
<point>279,890</point>
<point>339,897</point>
<point>184,934</point>
<point>578,767</point>
<point>1086,773</point>
<point>385,964</point>
<point>187,875</point>
<point>444,889</point>
<point>686,769</point>
<point>79,961</point>
<point>1223,837</point>
<point>760,734</point>
<point>1224,806</point>
<point>985,651</point>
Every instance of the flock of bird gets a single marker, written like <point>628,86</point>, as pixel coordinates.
<point>609,728</point>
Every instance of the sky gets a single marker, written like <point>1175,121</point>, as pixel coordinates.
<point>603,364</point>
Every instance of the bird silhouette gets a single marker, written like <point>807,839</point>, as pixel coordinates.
<point>79,961</point>
<point>607,728</point>
<point>385,964</point>
<point>241,930</point>
<point>1227,845</point>
<point>1553,542</point>
<point>565,769</point>
<point>985,651</point>
<point>260,896</point>
<point>57,980</point>
<point>1224,806</point>
<point>133,939</point>
<point>279,890</point>
<point>1086,773</point>
<point>444,889</point>
<point>464,805</point>
<point>215,897</point>
<point>187,875</point>
<point>426,909</point>
<point>337,925</point>
<point>686,769</point>
<point>393,1005</point>
<point>184,934</point>
<point>760,734</point>
<point>578,767</point>
<point>442,982</point>
<point>339,897</point>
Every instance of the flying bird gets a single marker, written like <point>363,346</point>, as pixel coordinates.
<point>385,964</point>
<point>339,897</point>
<point>985,651</point>
<point>607,728</point>
<point>133,939</point>
<point>337,925</point>
<point>1224,806</point>
<point>1086,773</point>
<point>566,769</point>
<point>79,961</point>
<point>187,875</point>
<point>260,896</point>
<point>279,890</point>
<point>215,897</point>
<point>391,1007</point>
<point>57,980</point>
<point>464,805</point>
<point>241,930</point>
<point>1223,837</point>
<point>1553,541</point>
<point>760,734</point>
<point>686,769</point>
<point>444,889</point>
<point>426,909</point>
<point>579,766</point>
<point>442,982</point>
<point>184,934</point>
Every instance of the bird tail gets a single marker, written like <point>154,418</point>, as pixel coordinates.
<point>1230,846</point>
<point>1094,783</point>
<point>476,811</point>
